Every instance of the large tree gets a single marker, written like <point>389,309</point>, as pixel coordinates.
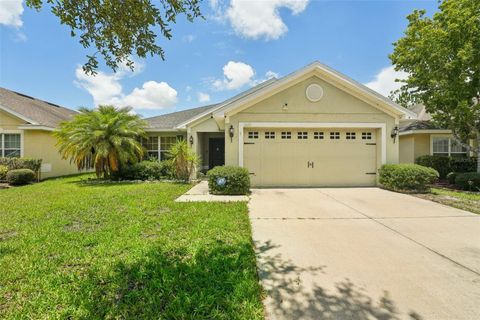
<point>103,139</point>
<point>441,54</point>
<point>119,29</point>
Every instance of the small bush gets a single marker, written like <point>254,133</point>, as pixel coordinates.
<point>3,172</point>
<point>20,177</point>
<point>183,160</point>
<point>407,177</point>
<point>145,170</point>
<point>440,163</point>
<point>468,181</point>
<point>22,163</point>
<point>451,177</point>
<point>228,180</point>
<point>463,164</point>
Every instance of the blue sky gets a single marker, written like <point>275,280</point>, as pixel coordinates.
<point>240,43</point>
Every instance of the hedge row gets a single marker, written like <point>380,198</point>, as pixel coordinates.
<point>146,170</point>
<point>444,165</point>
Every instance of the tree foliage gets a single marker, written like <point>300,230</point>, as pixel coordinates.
<point>103,138</point>
<point>441,54</point>
<point>119,29</point>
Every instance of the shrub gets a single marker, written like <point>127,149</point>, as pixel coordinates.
<point>183,160</point>
<point>468,181</point>
<point>3,172</point>
<point>440,163</point>
<point>20,177</point>
<point>22,163</point>
<point>228,180</point>
<point>451,177</point>
<point>145,170</point>
<point>463,164</point>
<point>407,177</point>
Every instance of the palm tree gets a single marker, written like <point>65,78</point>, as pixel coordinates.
<point>103,138</point>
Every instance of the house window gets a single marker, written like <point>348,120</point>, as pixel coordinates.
<point>302,135</point>
<point>445,146</point>
<point>286,135</point>
<point>318,135</point>
<point>351,136</point>
<point>270,135</point>
<point>366,136</point>
<point>252,134</point>
<point>151,145</point>
<point>10,145</point>
<point>158,147</point>
<point>166,143</point>
<point>334,135</point>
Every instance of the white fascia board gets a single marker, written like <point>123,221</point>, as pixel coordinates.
<point>18,115</point>
<point>431,131</point>
<point>36,127</point>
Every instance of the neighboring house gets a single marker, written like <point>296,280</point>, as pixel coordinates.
<point>314,127</point>
<point>26,126</point>
<point>419,137</point>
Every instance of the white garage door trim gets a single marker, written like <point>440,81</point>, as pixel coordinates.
<point>359,125</point>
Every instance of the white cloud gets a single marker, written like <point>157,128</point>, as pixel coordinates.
<point>107,89</point>
<point>11,12</point>
<point>384,82</point>
<point>203,97</point>
<point>257,19</point>
<point>236,75</point>
<point>239,74</point>
<point>189,38</point>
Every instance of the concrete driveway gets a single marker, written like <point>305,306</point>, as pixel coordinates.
<point>365,253</point>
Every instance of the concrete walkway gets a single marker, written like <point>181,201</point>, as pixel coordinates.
<point>365,253</point>
<point>199,193</point>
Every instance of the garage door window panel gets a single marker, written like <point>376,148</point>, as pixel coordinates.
<point>252,134</point>
<point>286,135</point>
<point>318,135</point>
<point>269,134</point>
<point>334,135</point>
<point>351,136</point>
<point>302,135</point>
<point>366,136</point>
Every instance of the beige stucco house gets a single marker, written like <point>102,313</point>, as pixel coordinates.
<point>314,127</point>
<point>26,126</point>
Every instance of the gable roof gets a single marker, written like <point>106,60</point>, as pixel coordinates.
<point>178,120</point>
<point>327,74</point>
<point>170,121</point>
<point>35,112</point>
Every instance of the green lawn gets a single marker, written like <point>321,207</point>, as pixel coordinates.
<point>462,200</point>
<point>72,249</point>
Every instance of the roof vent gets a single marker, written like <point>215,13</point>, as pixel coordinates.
<point>314,92</point>
<point>24,95</point>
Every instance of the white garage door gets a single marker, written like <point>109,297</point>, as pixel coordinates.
<point>310,157</point>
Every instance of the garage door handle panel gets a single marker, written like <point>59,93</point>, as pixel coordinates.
<point>249,143</point>
<point>371,173</point>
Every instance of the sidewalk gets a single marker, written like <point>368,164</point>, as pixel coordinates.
<point>199,193</point>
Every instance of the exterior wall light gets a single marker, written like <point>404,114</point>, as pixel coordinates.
<point>394,133</point>
<point>231,133</point>
<point>191,140</point>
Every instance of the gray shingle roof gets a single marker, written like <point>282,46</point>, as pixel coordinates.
<point>171,120</point>
<point>417,125</point>
<point>38,111</point>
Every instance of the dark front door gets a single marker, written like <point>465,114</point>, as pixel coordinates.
<point>216,152</point>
